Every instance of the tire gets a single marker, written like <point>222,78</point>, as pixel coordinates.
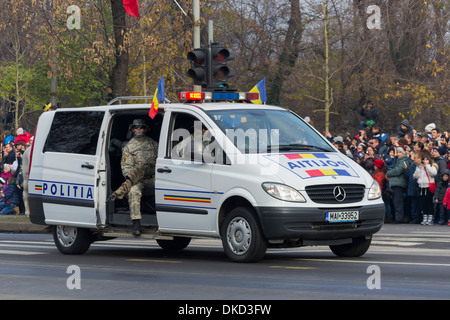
<point>357,248</point>
<point>72,240</point>
<point>242,239</point>
<point>177,244</point>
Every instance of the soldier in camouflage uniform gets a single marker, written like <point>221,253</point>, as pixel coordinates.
<point>138,167</point>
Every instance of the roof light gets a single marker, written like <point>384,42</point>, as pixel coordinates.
<point>196,96</point>
<point>252,96</point>
<point>208,96</point>
<point>225,96</point>
<point>218,96</point>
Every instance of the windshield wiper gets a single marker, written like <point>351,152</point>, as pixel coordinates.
<point>295,146</point>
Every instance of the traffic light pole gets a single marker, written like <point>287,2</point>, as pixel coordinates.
<point>210,32</point>
<point>196,31</point>
<point>209,63</point>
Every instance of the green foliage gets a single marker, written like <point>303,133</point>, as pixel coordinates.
<point>24,83</point>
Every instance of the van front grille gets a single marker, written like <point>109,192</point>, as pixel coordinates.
<point>326,193</point>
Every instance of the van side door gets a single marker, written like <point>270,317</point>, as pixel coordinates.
<point>183,182</point>
<point>66,182</point>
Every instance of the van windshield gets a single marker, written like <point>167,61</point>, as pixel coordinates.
<point>262,131</point>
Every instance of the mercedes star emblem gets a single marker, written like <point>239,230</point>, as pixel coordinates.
<point>339,193</point>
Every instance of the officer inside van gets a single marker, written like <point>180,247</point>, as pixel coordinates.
<point>138,167</point>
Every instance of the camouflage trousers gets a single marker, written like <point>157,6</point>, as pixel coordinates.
<point>134,198</point>
<point>132,178</point>
<point>132,187</point>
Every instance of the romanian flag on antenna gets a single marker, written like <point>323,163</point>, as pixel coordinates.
<point>261,89</point>
<point>158,97</point>
<point>131,7</point>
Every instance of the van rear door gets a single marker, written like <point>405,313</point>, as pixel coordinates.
<point>63,177</point>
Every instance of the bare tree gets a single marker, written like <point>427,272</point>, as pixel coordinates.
<point>289,53</point>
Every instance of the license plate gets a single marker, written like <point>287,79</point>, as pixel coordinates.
<point>342,216</point>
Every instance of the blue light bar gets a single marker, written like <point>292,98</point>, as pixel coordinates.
<point>225,96</point>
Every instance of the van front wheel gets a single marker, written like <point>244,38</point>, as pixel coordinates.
<point>242,238</point>
<point>72,240</point>
<point>357,248</point>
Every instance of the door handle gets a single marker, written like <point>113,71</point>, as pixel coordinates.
<point>165,169</point>
<point>87,165</point>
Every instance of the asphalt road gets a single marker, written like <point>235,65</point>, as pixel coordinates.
<point>404,262</point>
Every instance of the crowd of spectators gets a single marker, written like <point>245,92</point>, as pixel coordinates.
<point>11,177</point>
<point>411,166</point>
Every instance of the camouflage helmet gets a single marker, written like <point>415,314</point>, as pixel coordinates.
<point>138,122</point>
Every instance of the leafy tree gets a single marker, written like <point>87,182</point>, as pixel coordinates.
<point>19,75</point>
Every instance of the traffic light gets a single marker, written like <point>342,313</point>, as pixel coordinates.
<point>219,72</point>
<point>199,70</point>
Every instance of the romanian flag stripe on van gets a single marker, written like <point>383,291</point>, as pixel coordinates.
<point>327,172</point>
<point>306,156</point>
<point>187,199</point>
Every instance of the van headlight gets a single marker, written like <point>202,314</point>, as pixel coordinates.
<point>282,192</point>
<point>374,191</point>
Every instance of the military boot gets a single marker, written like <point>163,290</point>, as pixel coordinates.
<point>136,227</point>
<point>122,191</point>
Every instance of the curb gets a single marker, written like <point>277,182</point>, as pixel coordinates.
<point>22,227</point>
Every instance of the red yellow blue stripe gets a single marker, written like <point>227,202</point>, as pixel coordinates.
<point>292,156</point>
<point>186,199</point>
<point>327,172</point>
<point>158,98</point>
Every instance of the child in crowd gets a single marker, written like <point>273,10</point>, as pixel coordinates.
<point>390,159</point>
<point>442,197</point>
<point>12,199</point>
<point>6,172</point>
<point>3,190</point>
<point>425,174</point>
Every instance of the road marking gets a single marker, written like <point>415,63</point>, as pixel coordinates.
<point>11,245</point>
<point>415,236</point>
<point>396,243</point>
<point>296,268</point>
<point>23,253</point>
<point>379,262</point>
<point>27,242</point>
<point>151,260</point>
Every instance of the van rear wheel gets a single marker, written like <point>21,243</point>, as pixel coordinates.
<point>177,244</point>
<point>357,248</point>
<point>72,240</point>
<point>242,239</point>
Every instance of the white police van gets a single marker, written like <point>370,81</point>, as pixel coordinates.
<point>255,176</point>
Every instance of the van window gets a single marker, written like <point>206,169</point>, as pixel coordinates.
<point>182,132</point>
<point>261,131</point>
<point>186,129</point>
<point>74,132</point>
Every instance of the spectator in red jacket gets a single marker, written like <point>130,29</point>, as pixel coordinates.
<point>379,174</point>
<point>23,136</point>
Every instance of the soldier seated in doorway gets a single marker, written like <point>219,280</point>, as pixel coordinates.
<point>138,167</point>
